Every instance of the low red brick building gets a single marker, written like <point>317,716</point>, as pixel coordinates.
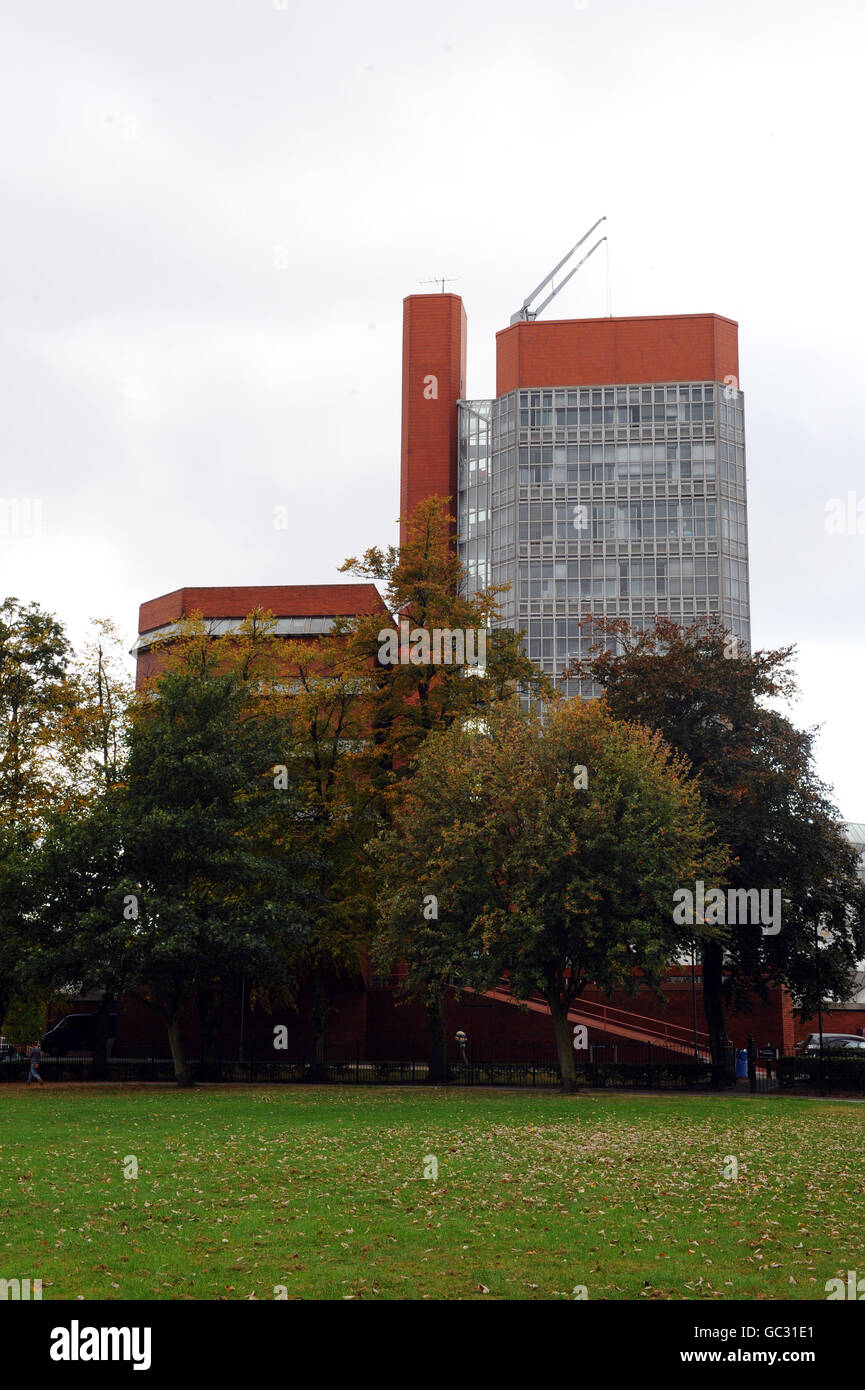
<point>301,611</point>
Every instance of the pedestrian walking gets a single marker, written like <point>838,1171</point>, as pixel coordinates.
<point>462,1042</point>
<point>35,1059</point>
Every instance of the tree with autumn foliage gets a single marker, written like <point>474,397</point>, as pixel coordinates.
<point>714,703</point>
<point>92,734</point>
<point>34,699</point>
<point>65,726</point>
<point>79,847</point>
<point>311,697</point>
<point>320,708</point>
<point>425,587</point>
<point>74,939</point>
<point>547,849</point>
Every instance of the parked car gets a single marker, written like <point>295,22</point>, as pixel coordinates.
<point>9,1053</point>
<point>75,1033</point>
<point>835,1042</point>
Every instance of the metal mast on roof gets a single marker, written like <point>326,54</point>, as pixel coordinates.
<point>525,314</point>
<point>439,280</point>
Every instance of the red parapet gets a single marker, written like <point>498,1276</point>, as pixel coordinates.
<point>282,600</point>
<point>617,351</point>
<point>305,601</point>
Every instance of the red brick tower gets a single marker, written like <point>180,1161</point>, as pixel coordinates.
<point>433,380</point>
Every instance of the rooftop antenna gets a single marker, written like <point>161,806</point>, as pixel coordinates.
<point>439,279</point>
<point>527,315</point>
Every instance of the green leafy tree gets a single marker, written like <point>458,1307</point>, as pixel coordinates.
<point>715,705</point>
<point>551,850</point>
<point>25,1018</point>
<point>201,822</point>
<point>18,853</point>
<point>82,936</point>
<point>252,656</point>
<point>34,655</point>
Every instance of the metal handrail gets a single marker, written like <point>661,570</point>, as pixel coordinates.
<point>611,1013</point>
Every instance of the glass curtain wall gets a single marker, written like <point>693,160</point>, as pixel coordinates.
<point>615,501</point>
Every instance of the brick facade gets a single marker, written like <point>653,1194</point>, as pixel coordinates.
<point>237,602</point>
<point>433,380</point>
<point>373,1024</point>
<point>835,1020</point>
<point>594,352</point>
<point>282,600</point>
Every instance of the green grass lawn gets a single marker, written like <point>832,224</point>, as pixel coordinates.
<point>321,1190</point>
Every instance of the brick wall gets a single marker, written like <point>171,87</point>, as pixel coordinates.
<point>433,380</point>
<point>371,1023</point>
<point>400,1030</point>
<point>282,600</point>
<point>591,352</point>
<point>834,1021</point>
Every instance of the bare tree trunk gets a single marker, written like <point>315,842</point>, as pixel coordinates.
<point>713,1005</point>
<point>317,1016</point>
<point>564,1045</point>
<point>208,1024</point>
<point>439,1071</point>
<point>5,998</point>
<point>101,1029</point>
<point>182,1071</point>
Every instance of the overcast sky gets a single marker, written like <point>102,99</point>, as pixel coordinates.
<point>212,210</point>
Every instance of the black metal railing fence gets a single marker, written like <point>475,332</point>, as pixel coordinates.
<point>618,1065</point>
